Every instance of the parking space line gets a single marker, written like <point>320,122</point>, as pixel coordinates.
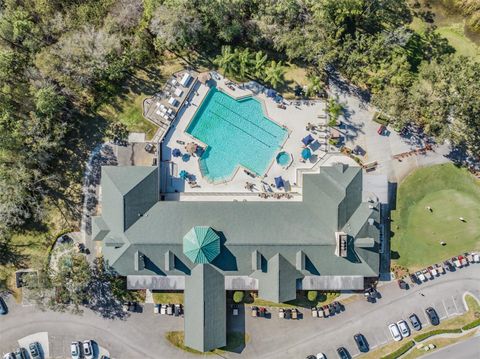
<point>455,304</point>
<point>445,307</point>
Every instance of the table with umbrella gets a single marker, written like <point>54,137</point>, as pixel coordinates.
<point>176,152</point>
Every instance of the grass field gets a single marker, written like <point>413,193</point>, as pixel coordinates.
<point>451,193</point>
<point>301,301</point>
<point>168,297</point>
<point>452,27</point>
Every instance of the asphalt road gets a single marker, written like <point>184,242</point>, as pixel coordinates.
<point>142,334</point>
<point>468,349</point>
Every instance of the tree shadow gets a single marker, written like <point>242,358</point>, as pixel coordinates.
<point>394,255</point>
<point>10,255</point>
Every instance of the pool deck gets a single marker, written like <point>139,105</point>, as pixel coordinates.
<point>295,118</point>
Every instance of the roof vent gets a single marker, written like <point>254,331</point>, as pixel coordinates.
<point>139,263</point>
<point>169,261</point>
<point>371,221</point>
<point>300,260</point>
<point>341,244</point>
<point>256,260</point>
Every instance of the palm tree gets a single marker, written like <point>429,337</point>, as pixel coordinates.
<point>244,59</point>
<point>259,64</point>
<point>315,85</point>
<point>227,61</point>
<point>274,73</point>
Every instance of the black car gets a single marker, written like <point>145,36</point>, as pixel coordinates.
<point>3,307</point>
<point>34,349</point>
<point>432,316</point>
<point>288,313</point>
<point>343,353</point>
<point>416,324</point>
<point>361,342</point>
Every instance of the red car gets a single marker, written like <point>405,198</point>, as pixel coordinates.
<point>381,130</point>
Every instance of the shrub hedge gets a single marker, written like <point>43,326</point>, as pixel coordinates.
<point>400,351</point>
<point>431,333</point>
<point>471,325</point>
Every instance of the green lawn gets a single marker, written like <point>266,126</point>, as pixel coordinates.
<point>451,27</point>
<point>451,193</point>
<point>168,297</point>
<point>323,298</point>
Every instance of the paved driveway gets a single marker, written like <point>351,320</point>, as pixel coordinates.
<point>360,129</point>
<point>142,334</point>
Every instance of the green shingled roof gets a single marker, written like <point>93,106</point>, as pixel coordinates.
<point>201,244</point>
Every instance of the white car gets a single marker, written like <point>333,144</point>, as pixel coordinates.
<point>395,332</point>
<point>87,349</point>
<point>404,329</point>
<point>321,356</point>
<point>75,350</point>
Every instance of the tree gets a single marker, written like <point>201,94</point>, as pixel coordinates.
<point>238,296</point>
<point>259,64</point>
<point>315,85</point>
<point>312,295</point>
<point>227,61</point>
<point>62,287</point>
<point>244,59</point>
<point>117,132</point>
<point>274,73</point>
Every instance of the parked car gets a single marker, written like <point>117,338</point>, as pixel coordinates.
<point>321,313</point>
<point>343,353</point>
<point>34,349</point>
<point>311,357</point>
<point>75,350</point>
<point>169,309</point>
<point>281,313</point>
<point>20,353</point>
<point>432,316</point>
<point>381,130</point>
<point>395,332</point>
<point>361,342</point>
<point>415,322</point>
<point>413,278</point>
<point>87,349</point>
<point>420,276</point>
<point>9,356</point>
<point>235,309</point>
<point>427,274</point>
<point>177,310</point>
<point>432,271</point>
<point>314,312</point>
<point>338,307</point>
<point>288,314</point>
<point>448,266</point>
<point>156,309</point>
<point>3,307</point>
<point>332,309</point>
<point>254,311</point>
<point>404,329</point>
<point>326,310</point>
<point>476,257</point>
<point>294,313</point>
<point>163,309</point>
<point>440,269</point>
<point>402,284</point>
<point>320,356</point>
<point>263,312</point>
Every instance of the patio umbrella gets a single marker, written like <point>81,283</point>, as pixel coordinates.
<point>279,182</point>
<point>307,140</point>
<point>191,147</point>
<point>185,157</point>
<point>183,174</point>
<point>204,77</point>
<point>306,153</point>
<point>271,93</point>
<point>176,152</point>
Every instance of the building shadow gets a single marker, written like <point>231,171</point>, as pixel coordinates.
<point>226,261</point>
<point>236,341</point>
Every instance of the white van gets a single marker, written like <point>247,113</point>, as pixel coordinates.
<point>395,332</point>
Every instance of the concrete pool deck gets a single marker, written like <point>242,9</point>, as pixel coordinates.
<point>295,118</point>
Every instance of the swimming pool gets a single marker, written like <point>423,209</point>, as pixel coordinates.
<point>236,132</point>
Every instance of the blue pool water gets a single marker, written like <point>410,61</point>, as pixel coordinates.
<point>236,133</point>
<point>283,158</point>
